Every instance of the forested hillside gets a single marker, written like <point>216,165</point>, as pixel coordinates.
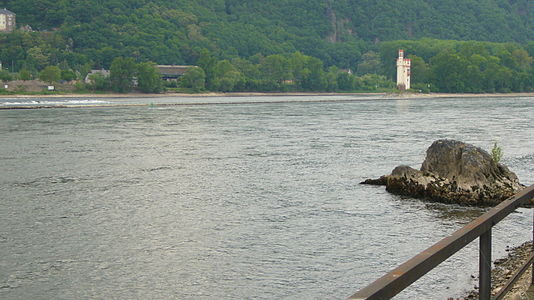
<point>84,34</point>
<point>174,31</point>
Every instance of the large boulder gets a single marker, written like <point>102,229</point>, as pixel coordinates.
<point>454,172</point>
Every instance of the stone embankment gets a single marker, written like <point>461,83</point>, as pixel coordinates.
<point>453,172</point>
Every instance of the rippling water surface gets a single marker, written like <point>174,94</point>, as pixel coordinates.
<point>244,201</point>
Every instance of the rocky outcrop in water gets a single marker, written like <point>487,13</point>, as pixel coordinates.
<point>453,172</point>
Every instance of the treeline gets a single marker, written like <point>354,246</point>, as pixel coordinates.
<point>337,32</point>
<point>234,41</point>
<point>292,72</point>
<point>125,75</point>
<point>460,66</point>
<point>437,65</point>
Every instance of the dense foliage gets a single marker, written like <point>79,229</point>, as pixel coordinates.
<point>124,74</point>
<point>281,45</point>
<point>453,66</point>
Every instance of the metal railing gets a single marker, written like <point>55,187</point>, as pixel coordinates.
<point>397,280</point>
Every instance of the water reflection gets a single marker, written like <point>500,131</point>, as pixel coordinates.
<point>454,213</point>
<point>447,213</point>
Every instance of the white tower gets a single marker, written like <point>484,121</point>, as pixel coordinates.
<point>403,71</point>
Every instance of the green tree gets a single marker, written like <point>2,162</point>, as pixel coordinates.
<point>149,78</point>
<point>50,74</point>
<point>275,68</point>
<point>227,77</point>
<point>448,71</point>
<point>68,75</point>
<point>37,57</point>
<point>331,79</point>
<point>370,64</point>
<point>208,63</point>
<point>496,153</point>
<point>247,68</point>
<point>420,71</point>
<point>122,74</point>
<point>5,76</point>
<point>298,66</point>
<point>315,79</point>
<point>521,60</point>
<point>529,47</point>
<point>99,82</point>
<point>373,82</point>
<point>345,81</point>
<point>24,74</point>
<point>195,79</point>
<point>83,70</point>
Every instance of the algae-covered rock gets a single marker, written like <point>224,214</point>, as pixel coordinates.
<point>454,172</point>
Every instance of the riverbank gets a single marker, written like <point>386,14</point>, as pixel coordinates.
<point>258,94</point>
<point>172,99</point>
<point>503,270</point>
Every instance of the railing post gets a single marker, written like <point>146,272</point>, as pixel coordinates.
<point>532,281</point>
<point>484,281</point>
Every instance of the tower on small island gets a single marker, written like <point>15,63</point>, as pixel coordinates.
<point>403,71</point>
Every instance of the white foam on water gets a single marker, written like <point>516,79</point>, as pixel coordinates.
<point>55,102</point>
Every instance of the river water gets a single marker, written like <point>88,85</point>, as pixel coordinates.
<point>257,199</point>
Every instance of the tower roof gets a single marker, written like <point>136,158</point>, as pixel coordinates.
<point>6,12</point>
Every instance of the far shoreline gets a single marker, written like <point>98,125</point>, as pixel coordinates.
<point>272,94</point>
<point>177,99</point>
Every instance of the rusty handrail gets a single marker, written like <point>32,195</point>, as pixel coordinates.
<point>397,280</point>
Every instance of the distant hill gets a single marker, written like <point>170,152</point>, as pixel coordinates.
<point>336,31</point>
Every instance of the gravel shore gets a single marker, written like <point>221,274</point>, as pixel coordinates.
<point>504,268</point>
<point>259,94</point>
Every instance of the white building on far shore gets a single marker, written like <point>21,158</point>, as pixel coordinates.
<point>7,20</point>
<point>102,72</point>
<point>403,71</point>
